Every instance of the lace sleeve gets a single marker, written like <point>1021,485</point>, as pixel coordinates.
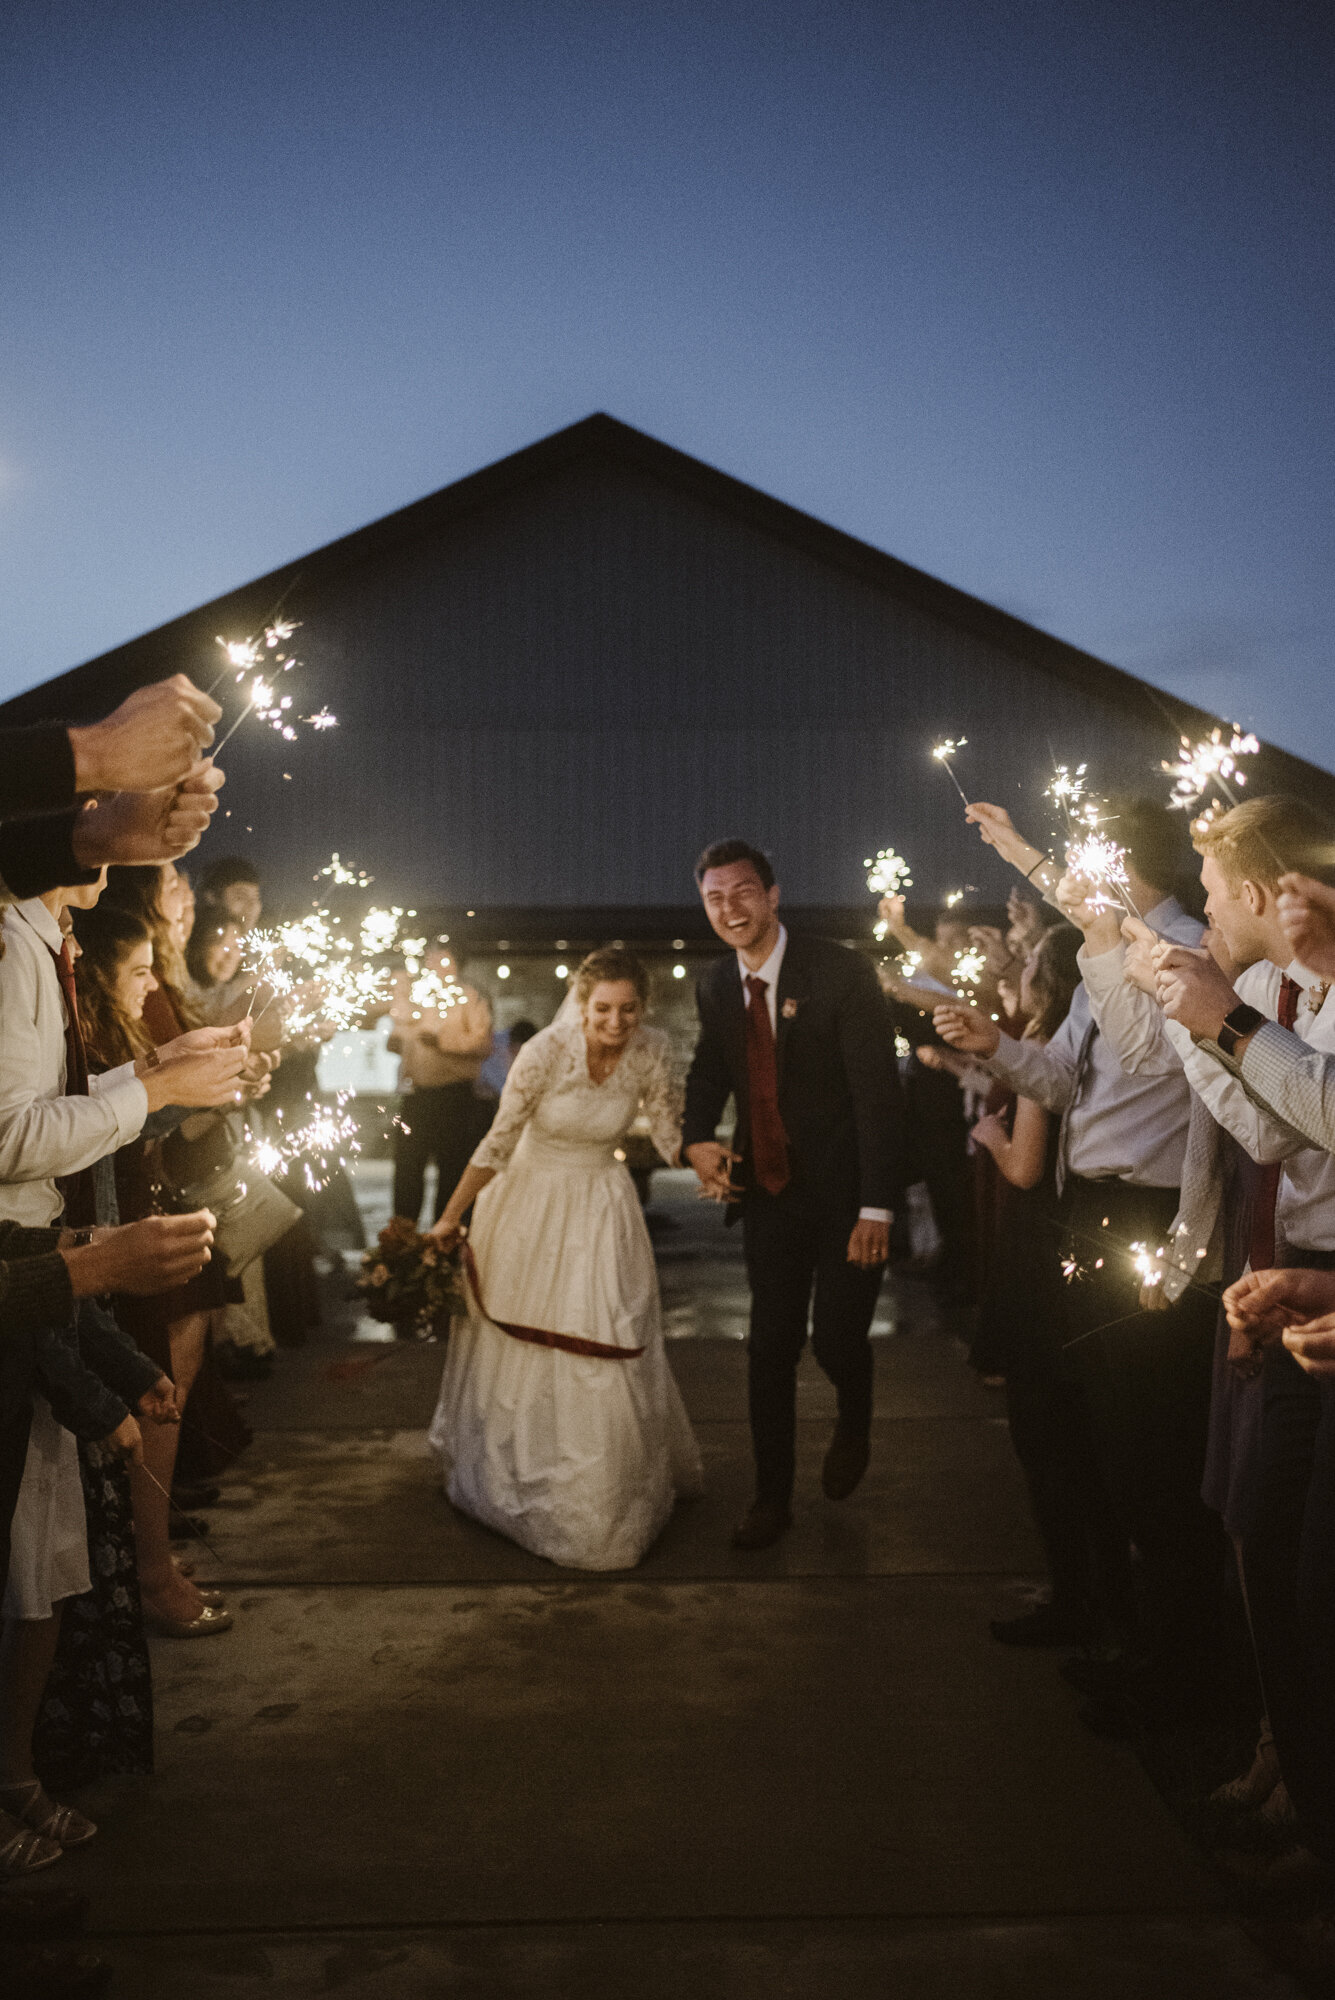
<point>530,1073</point>
<point>662,1100</point>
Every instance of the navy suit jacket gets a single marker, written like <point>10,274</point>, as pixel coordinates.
<point>839,1095</point>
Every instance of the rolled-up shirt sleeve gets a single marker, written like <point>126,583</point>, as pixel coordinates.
<point>1041,1070</point>
<point>1130,1022</point>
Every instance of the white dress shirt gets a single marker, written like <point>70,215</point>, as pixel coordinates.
<point>1152,1045</point>
<point>43,1132</point>
<point>1126,1125</point>
<point>1305,1206</point>
<point>769,972</point>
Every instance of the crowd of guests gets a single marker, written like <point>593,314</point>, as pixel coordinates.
<point>1134,1186</point>
<point>145,1261</point>
<point>1126,1134</point>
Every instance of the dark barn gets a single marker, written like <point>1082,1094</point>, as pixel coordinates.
<point>556,679</point>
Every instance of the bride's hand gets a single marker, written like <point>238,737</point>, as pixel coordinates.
<point>448,1234</point>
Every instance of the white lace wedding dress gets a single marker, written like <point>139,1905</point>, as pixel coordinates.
<point>579,1458</point>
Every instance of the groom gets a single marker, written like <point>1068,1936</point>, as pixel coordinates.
<point>796,1030</point>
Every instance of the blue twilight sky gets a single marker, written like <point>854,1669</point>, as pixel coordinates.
<point>1038,296</point>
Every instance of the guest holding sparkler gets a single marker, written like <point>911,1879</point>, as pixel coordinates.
<point>1264,1433</point>
<point>1145,1380</point>
<point>441,1043</point>
<point>1020,1317</point>
<point>83,1377</point>
<point>131,980</point>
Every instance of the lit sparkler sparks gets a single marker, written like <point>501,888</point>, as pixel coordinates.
<point>1102,863</point>
<point>943,752</point>
<point>970,967</point>
<point>261,658</point>
<point>888,874</point>
<point>1214,761</point>
<point>329,1139</point>
<point>955,896</point>
<point>344,874</point>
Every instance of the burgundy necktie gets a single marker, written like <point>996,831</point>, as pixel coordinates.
<point>80,1206</point>
<point>769,1141</point>
<point>1266,1182</point>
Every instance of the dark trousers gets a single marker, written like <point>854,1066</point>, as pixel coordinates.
<point>1289,1559</point>
<point>444,1124</point>
<point>1087,1549</point>
<point>797,1263</point>
<point>1145,1380</point>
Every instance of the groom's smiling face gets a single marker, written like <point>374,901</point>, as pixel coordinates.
<point>738,905</point>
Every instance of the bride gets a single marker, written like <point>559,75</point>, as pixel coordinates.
<point>559,1419</point>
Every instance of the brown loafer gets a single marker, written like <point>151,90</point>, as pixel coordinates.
<point>762,1526</point>
<point>845,1463</point>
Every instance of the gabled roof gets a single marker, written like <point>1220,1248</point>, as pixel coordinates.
<point>599,438</point>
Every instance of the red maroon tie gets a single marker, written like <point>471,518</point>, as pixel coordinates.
<point>77,1189</point>
<point>769,1141</point>
<point>1267,1177</point>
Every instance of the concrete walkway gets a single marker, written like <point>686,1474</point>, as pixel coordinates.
<point>426,1763</point>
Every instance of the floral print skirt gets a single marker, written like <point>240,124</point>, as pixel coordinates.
<point>96,1718</point>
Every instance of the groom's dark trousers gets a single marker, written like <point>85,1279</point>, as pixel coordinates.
<point>795,1246</point>
<point>840,1106</point>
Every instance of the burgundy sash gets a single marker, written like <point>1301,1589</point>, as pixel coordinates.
<point>569,1343</point>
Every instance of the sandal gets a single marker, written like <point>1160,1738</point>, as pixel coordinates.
<point>23,1852</point>
<point>61,1824</point>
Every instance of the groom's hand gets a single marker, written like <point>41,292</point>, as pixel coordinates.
<point>869,1244</point>
<point>712,1165</point>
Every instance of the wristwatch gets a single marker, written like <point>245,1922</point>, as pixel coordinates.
<point>1240,1022</point>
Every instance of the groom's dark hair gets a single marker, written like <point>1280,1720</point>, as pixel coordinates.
<point>720,853</point>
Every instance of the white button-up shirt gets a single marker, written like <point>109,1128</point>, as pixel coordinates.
<point>43,1132</point>
<point>769,972</point>
<point>1127,1125</point>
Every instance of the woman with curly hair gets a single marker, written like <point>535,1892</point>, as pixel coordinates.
<point>116,981</point>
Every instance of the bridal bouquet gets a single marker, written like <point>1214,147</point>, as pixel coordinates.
<point>410,1282</point>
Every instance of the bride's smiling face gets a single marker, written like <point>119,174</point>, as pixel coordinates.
<point>612,1013</point>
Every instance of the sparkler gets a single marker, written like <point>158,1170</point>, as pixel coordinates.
<point>887,875</point>
<point>252,656</point>
<point>328,1140</point>
<point>1102,863</point>
<point>344,874</point>
<point>969,968</point>
<point>943,752</point>
<point>1213,761</point>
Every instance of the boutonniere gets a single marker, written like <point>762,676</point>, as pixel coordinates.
<point>1316,995</point>
<point>790,1007</point>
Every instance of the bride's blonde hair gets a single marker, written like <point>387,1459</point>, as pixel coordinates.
<point>609,963</point>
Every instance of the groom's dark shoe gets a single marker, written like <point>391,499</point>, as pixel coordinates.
<point>845,1462</point>
<point>763,1525</point>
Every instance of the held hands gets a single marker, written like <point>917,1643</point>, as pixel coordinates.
<point>149,742</point>
<point>1307,918</point>
<point>1083,904</point>
<point>998,829</point>
<point>139,828</point>
<point>966,1028</point>
<point>154,1255</point>
<point>127,1440</point>
<point>712,1165</point>
<point>1191,989</point>
<point>1138,965</point>
<point>1295,1306</point>
<point>203,1078</point>
<point>990,1133</point>
<point>158,1404</point>
<point>869,1245</point>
